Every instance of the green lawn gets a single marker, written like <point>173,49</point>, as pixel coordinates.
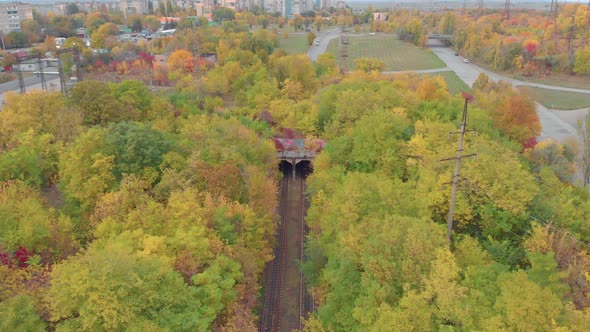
<point>396,54</point>
<point>563,100</point>
<point>557,79</point>
<point>295,44</point>
<point>454,83</point>
<point>579,82</point>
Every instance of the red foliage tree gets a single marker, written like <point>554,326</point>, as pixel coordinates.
<point>517,118</point>
<point>147,58</point>
<point>530,143</point>
<point>22,255</point>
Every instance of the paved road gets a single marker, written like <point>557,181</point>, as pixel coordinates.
<point>29,81</point>
<point>325,37</point>
<point>553,125</point>
<point>51,80</point>
<point>468,72</point>
<point>422,71</point>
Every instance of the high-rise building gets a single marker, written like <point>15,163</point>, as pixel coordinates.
<point>11,14</point>
<point>300,6</point>
<point>231,4</point>
<point>287,8</point>
<point>130,7</point>
<point>273,6</point>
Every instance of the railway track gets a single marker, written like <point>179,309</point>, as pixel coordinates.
<point>270,317</point>
<point>286,299</point>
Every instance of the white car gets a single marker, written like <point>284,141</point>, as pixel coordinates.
<point>316,43</point>
<point>466,60</point>
<point>371,33</point>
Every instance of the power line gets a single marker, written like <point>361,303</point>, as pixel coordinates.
<point>549,224</point>
<point>458,164</point>
<point>507,9</point>
<point>551,18</point>
<point>566,232</point>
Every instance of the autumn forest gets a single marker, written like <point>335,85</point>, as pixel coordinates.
<point>125,207</point>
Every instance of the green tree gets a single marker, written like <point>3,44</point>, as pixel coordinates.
<point>135,147</point>
<point>136,23</point>
<point>582,64</point>
<point>544,272</point>
<point>94,20</point>
<point>85,168</point>
<point>18,314</point>
<point>153,23</point>
<point>23,218</point>
<point>31,29</point>
<point>16,39</point>
<point>130,289</point>
<point>34,161</point>
<point>310,37</point>
<point>100,37</point>
<point>61,26</point>
<point>134,97</point>
<point>97,103</point>
<point>525,306</point>
<point>221,14</point>
<point>72,9</point>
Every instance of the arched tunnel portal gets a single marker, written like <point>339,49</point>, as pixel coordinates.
<point>296,167</point>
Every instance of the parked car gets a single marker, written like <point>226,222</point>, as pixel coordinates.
<point>371,33</point>
<point>466,60</point>
<point>316,43</point>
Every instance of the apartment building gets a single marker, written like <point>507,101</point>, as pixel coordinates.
<point>11,14</point>
<point>231,4</point>
<point>293,7</point>
<point>130,7</point>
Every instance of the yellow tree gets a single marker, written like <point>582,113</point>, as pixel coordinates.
<point>181,61</point>
<point>85,170</point>
<point>582,64</point>
<point>103,36</point>
<point>369,64</point>
<point>37,112</point>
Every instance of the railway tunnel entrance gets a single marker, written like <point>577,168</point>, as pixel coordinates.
<point>302,168</point>
<point>286,300</point>
<point>285,167</point>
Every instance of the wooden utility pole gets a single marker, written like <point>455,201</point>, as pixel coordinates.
<point>458,164</point>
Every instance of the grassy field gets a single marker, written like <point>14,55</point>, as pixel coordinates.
<point>559,99</point>
<point>454,83</point>
<point>396,54</point>
<point>295,44</point>
<point>578,82</point>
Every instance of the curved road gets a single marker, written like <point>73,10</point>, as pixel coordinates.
<point>468,72</point>
<point>553,126</point>
<point>324,38</point>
